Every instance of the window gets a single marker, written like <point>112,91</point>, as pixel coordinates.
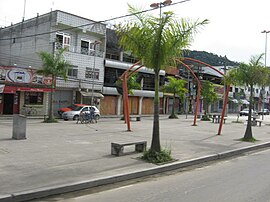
<point>87,47</point>
<point>89,73</point>
<point>33,98</point>
<point>73,72</point>
<point>62,41</point>
<point>236,90</point>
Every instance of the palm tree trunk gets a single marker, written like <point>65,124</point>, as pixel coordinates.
<point>155,145</point>
<point>248,133</point>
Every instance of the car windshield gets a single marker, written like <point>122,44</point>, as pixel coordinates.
<point>77,108</point>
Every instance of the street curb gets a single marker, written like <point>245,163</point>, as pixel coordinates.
<point>65,188</point>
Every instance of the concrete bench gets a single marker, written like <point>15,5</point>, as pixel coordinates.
<point>118,148</point>
<point>136,117</point>
<point>256,122</point>
<point>216,119</point>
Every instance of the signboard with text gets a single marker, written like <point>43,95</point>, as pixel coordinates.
<point>21,75</point>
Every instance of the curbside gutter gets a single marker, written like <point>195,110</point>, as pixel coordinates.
<point>65,188</point>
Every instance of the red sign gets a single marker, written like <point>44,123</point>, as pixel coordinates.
<point>13,89</point>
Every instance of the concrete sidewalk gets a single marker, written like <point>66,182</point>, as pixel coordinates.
<point>66,156</point>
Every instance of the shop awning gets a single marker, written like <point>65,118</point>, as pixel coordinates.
<point>90,94</point>
<point>13,89</point>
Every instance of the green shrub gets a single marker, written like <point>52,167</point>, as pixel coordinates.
<point>50,120</point>
<point>248,139</point>
<point>173,116</point>
<point>157,157</point>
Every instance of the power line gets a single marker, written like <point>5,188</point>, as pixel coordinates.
<point>97,22</point>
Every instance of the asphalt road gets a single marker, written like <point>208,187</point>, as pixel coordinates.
<point>242,179</point>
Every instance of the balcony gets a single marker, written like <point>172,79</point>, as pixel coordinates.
<point>79,50</point>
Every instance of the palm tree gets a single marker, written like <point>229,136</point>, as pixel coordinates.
<point>209,96</point>
<point>177,87</point>
<point>249,75</point>
<point>155,41</point>
<point>53,65</point>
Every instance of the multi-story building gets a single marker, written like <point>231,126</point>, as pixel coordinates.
<point>116,62</point>
<point>84,41</point>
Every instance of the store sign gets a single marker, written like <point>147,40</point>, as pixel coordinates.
<point>23,76</point>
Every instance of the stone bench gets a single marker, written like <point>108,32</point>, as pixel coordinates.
<point>216,119</point>
<point>136,117</point>
<point>256,122</point>
<point>118,148</point>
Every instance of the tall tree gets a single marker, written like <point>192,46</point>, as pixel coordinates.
<point>53,64</point>
<point>155,41</point>
<point>209,96</point>
<point>177,87</point>
<point>249,75</point>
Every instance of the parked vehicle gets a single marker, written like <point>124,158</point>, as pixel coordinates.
<point>68,108</point>
<point>75,113</point>
<point>264,112</point>
<point>245,111</point>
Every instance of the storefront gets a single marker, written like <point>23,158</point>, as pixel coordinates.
<point>22,91</point>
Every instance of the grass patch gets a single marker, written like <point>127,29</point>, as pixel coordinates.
<point>237,122</point>
<point>157,157</point>
<point>205,119</point>
<point>248,139</point>
<point>173,116</point>
<point>50,121</point>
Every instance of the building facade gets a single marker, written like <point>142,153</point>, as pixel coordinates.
<point>84,41</point>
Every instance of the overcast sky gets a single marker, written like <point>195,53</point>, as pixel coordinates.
<point>234,30</point>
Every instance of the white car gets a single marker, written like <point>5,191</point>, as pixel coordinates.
<point>245,111</point>
<point>75,113</point>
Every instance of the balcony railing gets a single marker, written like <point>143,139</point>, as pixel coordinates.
<point>80,50</point>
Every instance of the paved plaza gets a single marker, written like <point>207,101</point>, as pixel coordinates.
<point>57,157</point>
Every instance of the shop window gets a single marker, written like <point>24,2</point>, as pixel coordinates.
<point>89,73</point>
<point>33,98</point>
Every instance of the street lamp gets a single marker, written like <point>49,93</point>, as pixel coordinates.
<point>160,5</point>
<point>93,72</point>
<point>263,91</point>
<point>266,32</point>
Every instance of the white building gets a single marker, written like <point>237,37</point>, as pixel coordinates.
<point>85,41</point>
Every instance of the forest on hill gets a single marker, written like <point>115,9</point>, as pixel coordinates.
<point>209,58</point>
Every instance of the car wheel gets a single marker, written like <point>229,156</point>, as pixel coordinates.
<point>76,117</point>
<point>97,117</point>
<point>65,119</point>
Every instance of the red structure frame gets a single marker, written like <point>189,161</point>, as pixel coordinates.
<point>124,78</point>
<point>126,74</point>
<point>198,90</point>
<point>226,93</point>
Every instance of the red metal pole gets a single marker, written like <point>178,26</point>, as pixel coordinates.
<point>198,91</point>
<point>125,102</point>
<point>224,109</point>
<point>226,94</point>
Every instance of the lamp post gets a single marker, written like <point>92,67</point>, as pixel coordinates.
<point>93,72</point>
<point>265,53</point>
<point>160,5</point>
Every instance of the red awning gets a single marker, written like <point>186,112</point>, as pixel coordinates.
<point>34,89</point>
<point>10,89</point>
<point>13,89</point>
